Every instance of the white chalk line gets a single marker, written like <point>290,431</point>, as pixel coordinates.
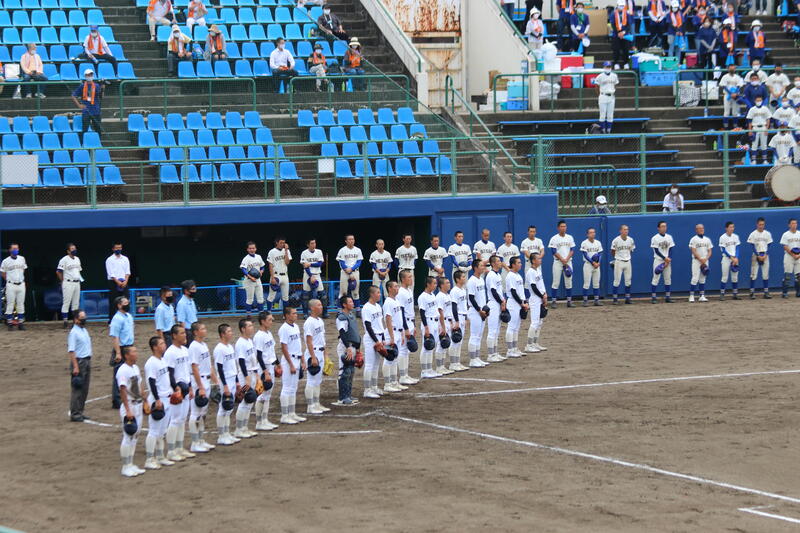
<point>756,511</point>
<point>606,384</point>
<point>352,432</point>
<point>602,459</point>
<point>98,398</point>
<point>485,380</point>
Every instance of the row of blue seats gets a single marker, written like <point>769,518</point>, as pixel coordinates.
<point>194,121</point>
<point>56,53</point>
<point>229,3</point>
<point>46,4</point>
<point>344,117</point>
<point>385,148</point>
<point>401,167</point>
<point>68,157</point>
<point>262,15</point>
<point>51,35</point>
<point>40,124</point>
<point>159,156</point>
<point>240,32</point>
<point>338,134</point>
<point>300,49</point>
<point>40,18</point>
<point>224,137</point>
<point>76,177</point>
<point>50,141</point>
<point>69,72</point>
<point>243,68</point>
<point>228,172</point>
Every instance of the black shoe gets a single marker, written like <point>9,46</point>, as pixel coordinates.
<point>553,304</point>
<point>79,418</point>
<point>66,325</point>
<point>785,295</point>
<point>21,326</point>
<point>767,296</point>
<point>736,297</point>
<point>628,301</point>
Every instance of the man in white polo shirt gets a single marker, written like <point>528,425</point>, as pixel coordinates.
<point>118,273</point>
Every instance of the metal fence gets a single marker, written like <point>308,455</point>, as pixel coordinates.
<point>338,90</point>
<point>169,93</point>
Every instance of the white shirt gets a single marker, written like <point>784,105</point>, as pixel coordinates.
<point>405,297</point>
<point>277,258</point>
<point>759,116</point>
<point>444,303</point>
<point>607,83</point>
<point>507,251</point>
<point>534,278</point>
<point>436,257</point>
<point>782,143</point>
<point>428,304</point>
<point>777,82</point>
<point>729,243</point>
<point>562,245</point>
<point>117,267</point>
<point>760,240</point>
<point>14,269</point>
<point>381,260</point>
<point>406,257</point>
<point>623,248</point>
<point>264,342</point>
<point>731,81</point>
<point>494,281</point>
<point>591,248</point>
<point>130,377</point>
<point>349,255</point>
<point>373,314</point>
<point>662,243</point>
<point>177,357</point>
<point>484,250</point>
<point>225,355</point>
<point>672,203</point>
<point>245,351</point>
<point>391,308</point>
<point>71,268</point>
<point>461,254</point>
<point>199,355</point>
<point>313,257</point>
<point>156,369</point>
<point>792,240</point>
<point>314,327</point>
<point>514,281</point>
<point>784,114</point>
<point>252,261</point>
<point>762,76</point>
<point>281,58</point>
<point>794,95</point>
<point>795,122</point>
<point>290,336</point>
<point>701,245</point>
<point>459,296</point>
<point>476,287</point>
<point>528,247</point>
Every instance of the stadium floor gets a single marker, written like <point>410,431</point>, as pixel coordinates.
<point>587,444</point>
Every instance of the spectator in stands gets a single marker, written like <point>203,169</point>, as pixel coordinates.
<point>88,96</point>
<point>673,201</point>
<point>600,206</point>
<point>777,83</point>
<point>754,90</point>
<point>755,68</point>
<point>784,113</point>
<point>758,118</point>
<point>508,7</point>
<point>330,25</point>
<point>282,63</point>
<point>304,3</point>
<point>579,28</point>
<point>318,65</point>
<point>534,30</point>
<point>177,50</point>
<point>699,17</point>
<point>761,7</point>
<point>32,70</point>
<point>215,45</point>
<point>566,8</point>
<point>784,145</point>
<point>756,42</point>
<point>675,29</point>
<point>621,34</point>
<point>656,22</point>
<point>706,39</point>
<point>730,13</point>
<point>530,4</point>
<point>731,84</point>
<point>727,43</point>
<point>794,92</point>
<point>159,12</point>
<point>96,48</point>
<point>353,63</point>
<point>196,14</point>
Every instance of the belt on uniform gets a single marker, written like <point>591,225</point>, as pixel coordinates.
<point>136,402</point>
<point>434,319</point>
<point>319,349</point>
<point>296,356</point>
<point>205,376</point>
<point>607,94</point>
<point>280,273</point>
<point>16,282</point>
<point>73,280</point>
<point>623,260</point>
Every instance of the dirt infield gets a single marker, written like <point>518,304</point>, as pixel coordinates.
<point>596,434</point>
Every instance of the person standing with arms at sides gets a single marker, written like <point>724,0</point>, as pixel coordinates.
<point>537,302</point>
<point>484,248</point>
<point>251,265</point>
<point>434,257</point>
<point>187,309</point>
<point>278,259</point>
<point>312,260</point>
<point>395,330</point>
<point>562,246</point>
<point>265,354</point>
<point>448,321</point>
<point>180,372</point>
<point>662,245</point>
<point>476,296</point>
<point>88,97</point>
<point>79,347</point>
<point>349,259</point>
<point>131,389</point>
<point>517,303</point>
<point>292,365</point>
<point>316,354</point>
<point>760,239</point>
<point>405,297</point>
<point>458,295</point>
<point>121,332</point>
<point>202,378</point>
<point>579,29</point>
<point>606,83</point>
<point>69,274</point>
<point>790,240</point>
<point>701,248</point>
<point>374,343</point>
<point>622,33</point>
<point>497,304</point>
<point>247,375</point>
<point>460,254</point>
<point>429,316</point>
<point>165,315</point>
<point>406,257</point>
<point>349,343</point>
<point>381,262</point>
<point>506,251</point>
<point>158,380</point>
<point>225,360</point>
<point>12,269</point>
<point>118,273</point>
<point>729,245</point>
<point>622,248</point>
<point>591,250</point>
<point>531,245</point>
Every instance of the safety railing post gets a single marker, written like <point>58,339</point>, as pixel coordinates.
<point>453,167</point>
<point>290,90</point>
<point>540,186</point>
<point>276,178</point>
<point>92,179</point>
<point>365,169</point>
<point>726,167</point>
<point>185,175</point>
<point>643,173</point>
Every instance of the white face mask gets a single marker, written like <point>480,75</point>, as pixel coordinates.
<point>756,68</point>
<point>281,46</point>
<point>754,83</point>
<point>607,70</point>
<point>579,10</point>
<point>759,104</point>
<point>673,191</point>
<point>326,11</point>
<point>784,104</point>
<point>797,84</point>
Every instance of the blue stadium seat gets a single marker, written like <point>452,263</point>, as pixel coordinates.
<point>358,133</point>
<point>250,51</point>
<point>252,119</point>
<point>264,15</point>
<point>11,142</point>
<point>338,134</point>
<point>236,153</point>
<point>343,169</point>
<point>125,71</point>
<point>60,124</point>
<point>317,135</point>
<point>378,133</point>
<point>83,4</point>
<point>62,157</point>
<point>81,157</point>
<point>91,139</point>
<point>266,171</point>
<point>51,177</point>
<point>256,32</point>
<point>71,140</point>
<point>255,151</point>
<point>5,57</point>
<point>107,33</point>
<point>383,168</point>
<point>68,72</point>
<point>288,171</point>
<point>175,121</point>
<point>344,117</point>
<point>186,138</point>
<point>94,17</point>
<point>244,136</point>
<point>21,125</point>
<point>30,141</point>
<point>155,122</point>
<point>242,69</point>
<point>186,70</point>
<point>105,71</point>
<point>443,165</point>
<point>405,116</point>
<point>266,48</point>
<point>304,49</point>
<point>189,173</point>
<point>418,128</point>
<point>168,174</point>
<point>50,141</point>
<point>359,173</point>
<point>40,124</point>
<point>58,18</point>
<point>403,167</point>
<point>274,31</point>
<point>20,19</point>
<point>67,35</point>
<point>283,15</point>
<point>390,148</point>
<point>204,69</point>
<point>339,48</point>
<point>228,15</point>
<point>325,118</point>
<point>386,116</point>
<point>157,155</point>
<point>293,33</point>
<point>214,121</point>
<point>300,15</point>
<point>73,178</point>
<point>102,156</point>
<point>399,132</point>
<point>239,33</point>
<point>51,71</point>
<point>410,148</point>
<point>5,19</point>
<point>430,147</point>
<point>201,32</point>
<point>261,68</point>
<point>205,137</point>
<point>118,52</point>
<point>233,120</point>
<point>222,69</point>
<point>350,150</point>
<point>197,153</point>
<point>17,51</point>
<point>232,49</point>
<point>208,172</point>
<point>305,119</point>
<point>111,176</point>
<point>329,150</point>
<point>44,157</point>
<point>227,172</point>
<point>58,53</point>
<point>217,153</point>
<point>372,149</point>
<point>424,167</point>
<point>225,137</point>
<point>83,67</point>
<point>5,125</point>
<point>247,171</point>
<point>39,18</point>
<point>166,138</point>
<point>194,121</point>
<point>74,50</point>
<point>326,48</point>
<point>76,18</point>
<point>316,12</point>
<point>366,117</point>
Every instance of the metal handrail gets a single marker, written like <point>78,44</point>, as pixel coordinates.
<point>369,77</point>
<point>166,82</point>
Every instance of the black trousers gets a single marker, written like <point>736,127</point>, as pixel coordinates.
<point>105,57</point>
<point>113,293</point>
<point>621,48</point>
<point>77,398</point>
<point>93,121</point>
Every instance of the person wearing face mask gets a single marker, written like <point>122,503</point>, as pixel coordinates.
<point>215,45</point>
<point>701,248</point>
<point>79,348</point>
<point>354,63</point>
<point>159,12</point>
<point>794,92</point>
<point>756,41</point>
<point>727,43</point>
<point>731,84</point>
<point>673,201</point>
<point>707,40</point>
<point>566,8</point>
<point>621,33</point>
<point>758,118</point>
<point>177,50</point>
<point>755,68</point>
<point>534,30</point>
<point>318,65</point>
<point>330,26</point>
<point>165,315</point>
<point>196,14</point>
<point>675,28</point>
<point>754,89</point>
<point>656,21</point>
<point>784,145</point>
<point>606,83</point>
<point>96,48</point>
<point>118,273</point>
<point>281,62</point>
<point>121,332</point>
<point>12,270</point>
<point>784,113</point>
<point>88,97</point>
<point>32,69</point>
<point>700,15</point>
<point>776,83</point>
<point>187,309</point>
<point>68,273</point>
<point>579,28</point>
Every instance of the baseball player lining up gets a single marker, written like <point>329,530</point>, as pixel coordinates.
<point>69,274</point>
<point>380,261</point>
<point>591,249</point>
<point>662,245</point>
<point>562,246</point>
<point>790,240</point>
<point>622,248</point>
<point>702,249</point>
<point>312,260</point>
<point>729,264</point>
<point>460,254</point>
<point>12,270</point>
<point>278,259</point>
<point>252,267</point>
<point>349,258</point>
<point>406,257</point>
<point>484,248</point>
<point>760,239</point>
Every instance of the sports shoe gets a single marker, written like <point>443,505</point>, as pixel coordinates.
<point>323,408</point>
<point>399,387</point>
<point>541,348</point>
<point>298,417</point>
<point>379,391</point>
<point>533,349</point>
<point>163,461</point>
<point>174,456</point>
<point>442,370</point>
<point>721,297</point>
<point>198,447</point>
<point>408,380</point>
<point>287,419</point>
<point>702,299</point>
<point>185,453</point>
<point>371,394</point>
<point>653,300</point>
<point>767,296</point>
<point>227,440</point>
<point>570,304</point>
<point>529,347</point>
<point>391,387</point>
<point>234,439</point>
<point>585,303</point>
<point>152,464</point>
<point>127,471</point>
<point>628,301</point>
<point>242,433</point>
<point>266,426</point>
<point>553,304</point>
<point>208,446</point>
<point>476,363</point>
<point>458,367</point>
<point>138,470</point>
<point>251,432</point>
<point>668,299</point>
<point>752,296</point>
<point>691,299</point>
<point>736,297</point>
<point>495,358</point>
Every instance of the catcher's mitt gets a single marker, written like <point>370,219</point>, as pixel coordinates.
<point>328,368</point>
<point>176,398</point>
<point>359,359</point>
<point>146,408</point>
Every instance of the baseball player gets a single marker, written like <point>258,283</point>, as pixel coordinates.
<point>121,332</point>
<point>131,390</point>
<point>531,245</point>
<point>79,347</point>
<point>790,240</point>
<point>538,301</point>
<point>380,261</point>
<point>12,269</point>
<point>729,245</point>
<point>180,371</point>
<point>460,254</point>
<point>186,308</point>
<point>372,317</point>
<point>562,246</point>
<point>394,315</point>
<point>118,274</point>
<point>484,248</point>
<point>158,379</point>
<point>497,304</point>
<point>430,315</point>
<point>506,251</point>
<point>405,297</point>
<point>434,257</point>
<point>247,374</point>
<point>591,250</point>
<point>225,361</point>
<point>346,348</point>
<point>517,303</point>
<point>760,239</point>
<point>202,378</point>
<point>264,343</point>
<point>68,272</point>
<point>758,118</point>
<point>662,245</point>
<point>606,83</point>
<point>312,260</point>
<point>316,354</point>
<point>252,284</point>
<point>622,248</point>
<point>476,294</point>
<point>165,314</point>
<point>447,319</point>
<point>702,249</point>
<point>406,256</point>
<point>349,259</point>
<point>458,294</point>
<point>292,365</point>
<point>278,260</point>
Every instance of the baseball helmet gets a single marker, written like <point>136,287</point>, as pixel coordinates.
<point>313,369</point>
<point>359,359</point>
<point>734,268</point>
<point>660,268</point>
<point>130,426</point>
<point>543,311</point>
<point>77,382</point>
<point>523,314</point>
<point>505,316</point>
<point>351,285</point>
<point>227,402</point>
<point>796,250</point>
<point>200,401</point>
<point>275,285</point>
<point>254,273</point>
<point>429,343</point>
<point>250,396</point>
<point>444,341</point>
<point>266,383</point>
<point>704,269</point>
<point>457,336</point>
<point>412,344</point>
<point>391,352</point>
<point>184,388</point>
<point>313,283</point>
<point>567,271</point>
<point>596,258</point>
<point>485,309</point>
<point>157,414</point>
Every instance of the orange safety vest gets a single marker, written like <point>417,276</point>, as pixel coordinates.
<point>353,58</point>
<point>568,4</point>
<point>176,44</point>
<point>151,6</point>
<point>655,7</point>
<point>193,7</point>
<point>318,58</point>
<point>676,19</point>
<point>759,39</point>
<point>86,96</point>
<point>728,37</point>
<point>94,44</point>
<point>620,24</point>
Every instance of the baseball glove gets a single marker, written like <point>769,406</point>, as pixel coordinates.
<point>240,394</point>
<point>259,386</point>
<point>278,371</point>
<point>146,408</point>
<point>359,359</point>
<point>176,398</point>
<point>382,351</point>
<point>543,311</point>
<point>328,368</point>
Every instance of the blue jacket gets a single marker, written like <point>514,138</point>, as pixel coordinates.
<point>707,36</point>
<point>751,92</point>
<point>580,26</point>
<point>627,28</point>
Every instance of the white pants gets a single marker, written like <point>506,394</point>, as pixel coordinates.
<point>180,412</point>
<point>319,72</point>
<point>760,140</point>
<point>667,272</point>
<point>514,323</point>
<point>154,21</point>
<point>558,268</point>
<point>755,265</point>
<point>289,381</point>
<point>476,324</point>
<point>591,276</point>
<point>130,440</point>
<point>790,264</point>
<point>265,396</point>
<point>71,296</point>
<point>315,381</point>
<point>158,428</point>
<point>283,282</point>
<point>493,321</point>
<point>622,268</point>
<point>730,108</point>
<point>253,289</point>
<point>15,298</point>
<point>196,413</point>
<point>372,359</point>
<point>307,287</point>
<point>380,282</point>
<point>344,277</point>
<point>726,270</point>
<point>535,311</point>
<point>697,274</point>
<point>606,104</point>
<point>191,21</point>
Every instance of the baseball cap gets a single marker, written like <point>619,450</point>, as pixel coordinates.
<point>88,72</point>
<point>93,28</point>
<point>601,200</point>
<point>606,63</point>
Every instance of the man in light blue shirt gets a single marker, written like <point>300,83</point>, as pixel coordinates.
<point>121,333</point>
<point>79,346</point>
<point>187,310</point>
<point>165,315</point>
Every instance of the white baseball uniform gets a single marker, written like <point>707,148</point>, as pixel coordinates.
<point>129,376</point>
<point>405,297</point>
<point>252,288</point>
<point>702,246</point>
<point>531,246</point>
<point>476,295</point>
<point>434,258</point>
<point>562,246</point>
<point>591,275</point>
<point>155,369</point>
<point>70,268</point>
<point>791,241</point>
<point>506,252</point>
<point>372,313</point>
<point>461,255</point>
<point>225,359</point>
<point>534,279</point>
<point>729,245</point>
<point>290,336</point>
<point>429,307</point>
<point>277,258</point>
<point>14,268</point>
<point>315,259</point>
<point>200,356</point>
<point>494,284</point>
<point>177,358</point>
<point>623,250</point>
<point>663,244</point>
<point>315,328</point>
<point>264,342</point>
<point>514,282</point>
<point>406,257</point>
<point>607,82</point>
<point>760,241</point>
<point>349,258</point>
<point>380,261</point>
<point>759,118</point>
<point>459,296</point>
<point>484,250</point>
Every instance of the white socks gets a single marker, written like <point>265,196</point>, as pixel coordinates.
<point>150,446</point>
<point>194,433</point>
<point>172,434</point>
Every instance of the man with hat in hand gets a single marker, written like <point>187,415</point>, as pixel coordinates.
<point>79,346</point>
<point>87,96</point>
<point>606,83</point>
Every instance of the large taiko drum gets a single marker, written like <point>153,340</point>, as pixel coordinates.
<point>783,182</point>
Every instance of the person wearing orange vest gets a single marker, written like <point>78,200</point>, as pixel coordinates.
<point>727,43</point>
<point>215,45</point>
<point>621,34</point>
<point>353,60</point>
<point>159,12</point>
<point>656,21</point>
<point>177,50</point>
<point>675,28</point>
<point>318,65</point>
<point>196,14</point>
<point>87,96</point>
<point>566,8</point>
<point>96,48</point>
<point>756,41</point>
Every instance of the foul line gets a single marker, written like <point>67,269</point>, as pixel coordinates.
<point>98,398</point>
<point>754,510</point>
<point>353,432</point>
<point>480,379</point>
<point>605,384</point>
<point>602,459</point>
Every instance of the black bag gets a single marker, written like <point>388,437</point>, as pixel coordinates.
<point>543,311</point>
